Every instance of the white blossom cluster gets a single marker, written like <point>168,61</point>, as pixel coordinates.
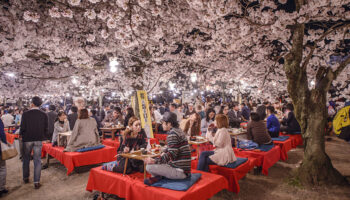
<point>155,40</point>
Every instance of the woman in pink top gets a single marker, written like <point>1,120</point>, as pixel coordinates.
<point>223,154</point>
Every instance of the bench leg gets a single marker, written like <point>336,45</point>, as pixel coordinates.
<point>126,164</point>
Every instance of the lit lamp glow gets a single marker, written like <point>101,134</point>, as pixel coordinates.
<point>74,81</point>
<point>113,66</point>
<point>10,74</point>
<point>171,86</point>
<point>193,77</point>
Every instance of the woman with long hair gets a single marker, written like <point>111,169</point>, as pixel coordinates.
<point>223,154</point>
<point>134,139</point>
<point>192,125</point>
<point>209,119</point>
<point>61,125</point>
<point>85,132</point>
<point>129,114</point>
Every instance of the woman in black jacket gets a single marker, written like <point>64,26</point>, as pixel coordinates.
<point>290,123</point>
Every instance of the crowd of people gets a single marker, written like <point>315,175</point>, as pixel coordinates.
<point>209,119</point>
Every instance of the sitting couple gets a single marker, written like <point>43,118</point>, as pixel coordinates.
<point>175,161</point>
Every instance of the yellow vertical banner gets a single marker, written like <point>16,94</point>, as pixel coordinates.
<point>145,115</point>
<point>133,102</point>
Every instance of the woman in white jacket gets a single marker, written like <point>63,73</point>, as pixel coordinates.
<point>223,154</point>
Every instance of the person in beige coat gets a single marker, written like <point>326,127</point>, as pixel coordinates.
<point>223,154</point>
<point>85,133</point>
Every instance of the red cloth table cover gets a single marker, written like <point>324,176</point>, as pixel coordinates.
<point>111,143</point>
<point>263,159</point>
<point>285,147</point>
<point>10,138</point>
<point>232,175</point>
<point>297,140</point>
<point>75,159</point>
<point>131,187</point>
<point>160,136</point>
<point>153,141</point>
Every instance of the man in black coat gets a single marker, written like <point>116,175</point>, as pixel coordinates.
<point>52,115</point>
<point>72,118</point>
<point>235,116</point>
<point>33,131</point>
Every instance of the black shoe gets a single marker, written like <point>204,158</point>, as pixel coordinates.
<point>37,185</point>
<point>3,192</point>
<point>26,180</point>
<point>45,166</point>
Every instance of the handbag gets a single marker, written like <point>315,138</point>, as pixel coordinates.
<point>8,152</point>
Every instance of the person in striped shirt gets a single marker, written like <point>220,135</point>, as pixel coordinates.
<point>175,162</point>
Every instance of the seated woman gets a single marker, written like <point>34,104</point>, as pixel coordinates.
<point>85,133</point>
<point>209,119</point>
<point>290,123</point>
<point>223,154</point>
<point>192,125</point>
<point>273,125</point>
<point>134,139</point>
<point>257,131</point>
<point>61,125</point>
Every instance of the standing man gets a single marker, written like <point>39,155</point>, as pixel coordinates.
<point>72,118</point>
<point>52,115</point>
<point>7,118</point>
<point>34,130</point>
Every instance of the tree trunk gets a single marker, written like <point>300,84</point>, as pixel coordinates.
<point>316,168</point>
<point>310,111</point>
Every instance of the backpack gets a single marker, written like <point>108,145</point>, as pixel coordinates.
<point>341,120</point>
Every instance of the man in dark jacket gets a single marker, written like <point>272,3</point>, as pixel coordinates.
<point>290,123</point>
<point>34,130</point>
<point>234,116</point>
<point>73,117</point>
<point>245,112</point>
<point>52,115</point>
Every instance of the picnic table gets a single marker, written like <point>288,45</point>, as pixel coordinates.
<point>112,130</point>
<point>139,156</point>
<point>197,143</point>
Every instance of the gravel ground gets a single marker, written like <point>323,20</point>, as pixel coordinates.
<point>56,185</point>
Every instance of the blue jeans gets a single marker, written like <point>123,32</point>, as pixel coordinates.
<point>28,147</point>
<point>204,161</point>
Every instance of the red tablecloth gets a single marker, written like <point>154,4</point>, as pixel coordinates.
<point>232,175</point>
<point>10,138</point>
<point>263,159</point>
<point>160,136</point>
<point>132,186</point>
<point>285,147</point>
<point>297,140</point>
<point>75,159</point>
<point>111,143</point>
